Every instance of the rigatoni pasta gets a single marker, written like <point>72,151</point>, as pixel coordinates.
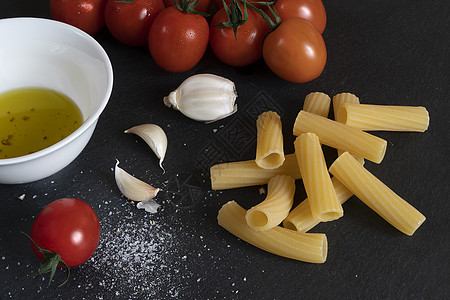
<point>269,141</point>
<point>317,103</point>
<point>341,136</point>
<point>259,225</point>
<point>342,98</point>
<point>307,247</point>
<point>376,194</point>
<point>301,218</point>
<point>272,211</point>
<point>247,173</point>
<point>316,179</point>
<point>338,100</point>
<point>384,117</point>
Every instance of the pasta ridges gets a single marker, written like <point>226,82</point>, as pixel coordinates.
<point>384,117</point>
<point>271,212</point>
<point>377,195</point>
<point>247,173</point>
<point>317,182</point>
<point>269,144</point>
<point>317,103</point>
<point>281,241</point>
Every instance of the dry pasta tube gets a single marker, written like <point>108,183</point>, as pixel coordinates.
<point>301,218</point>
<point>338,100</point>
<point>341,99</point>
<point>341,136</point>
<point>376,194</point>
<point>384,117</point>
<point>271,212</point>
<point>308,247</point>
<point>269,142</point>
<point>247,173</point>
<point>316,179</point>
<point>317,103</point>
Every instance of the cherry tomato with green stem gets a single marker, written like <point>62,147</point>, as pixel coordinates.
<point>236,34</point>
<point>66,232</point>
<point>87,15</point>
<point>295,50</point>
<point>178,37</point>
<point>129,21</point>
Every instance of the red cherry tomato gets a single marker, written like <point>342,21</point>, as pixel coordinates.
<point>129,20</point>
<point>87,15</point>
<point>178,40</point>
<point>202,5</point>
<point>311,10</point>
<point>247,48</point>
<point>295,51</point>
<point>69,227</point>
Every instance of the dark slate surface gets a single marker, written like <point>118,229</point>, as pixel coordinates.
<point>386,52</point>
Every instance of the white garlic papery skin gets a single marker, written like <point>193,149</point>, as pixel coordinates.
<point>149,205</point>
<point>154,136</point>
<point>133,188</point>
<point>204,97</point>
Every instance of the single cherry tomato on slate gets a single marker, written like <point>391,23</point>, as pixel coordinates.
<point>295,51</point>
<point>66,227</point>
<point>178,39</point>
<point>87,15</point>
<point>129,21</point>
<point>311,10</point>
<point>202,5</point>
<point>237,44</point>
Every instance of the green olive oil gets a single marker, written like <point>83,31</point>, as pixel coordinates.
<point>32,119</point>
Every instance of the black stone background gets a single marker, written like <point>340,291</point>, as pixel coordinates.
<point>386,52</point>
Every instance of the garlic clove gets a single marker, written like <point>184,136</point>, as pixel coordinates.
<point>149,205</point>
<point>204,97</point>
<point>133,188</point>
<point>154,136</point>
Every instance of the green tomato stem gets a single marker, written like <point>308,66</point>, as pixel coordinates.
<point>235,16</point>
<point>49,263</point>
<point>273,25</point>
<point>188,7</point>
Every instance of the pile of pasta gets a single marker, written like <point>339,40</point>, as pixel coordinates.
<point>260,225</point>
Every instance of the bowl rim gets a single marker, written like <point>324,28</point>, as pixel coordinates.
<point>93,118</point>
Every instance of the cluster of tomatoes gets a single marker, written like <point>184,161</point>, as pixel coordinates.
<point>290,40</point>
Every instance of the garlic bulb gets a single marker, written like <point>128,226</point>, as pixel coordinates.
<point>204,97</point>
<point>133,188</point>
<point>154,136</point>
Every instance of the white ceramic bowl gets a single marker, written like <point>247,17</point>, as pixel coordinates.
<point>37,52</point>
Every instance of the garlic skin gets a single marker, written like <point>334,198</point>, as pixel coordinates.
<point>204,97</point>
<point>154,136</point>
<point>133,188</point>
<point>149,205</point>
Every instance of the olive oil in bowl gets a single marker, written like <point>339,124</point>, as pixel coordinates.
<point>32,119</point>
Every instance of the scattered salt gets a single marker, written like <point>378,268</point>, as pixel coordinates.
<point>136,255</point>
